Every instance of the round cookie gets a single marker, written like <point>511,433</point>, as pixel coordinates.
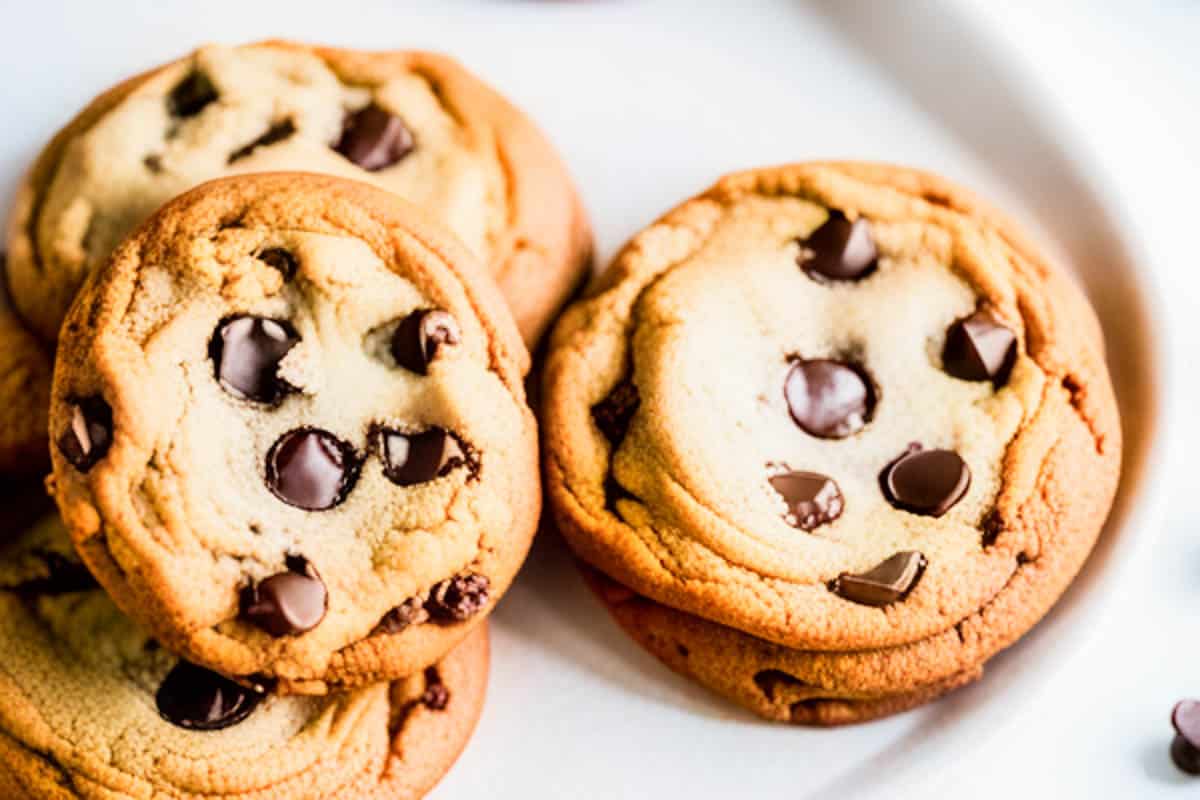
<point>834,406</point>
<point>290,434</point>
<point>417,124</point>
<point>93,708</point>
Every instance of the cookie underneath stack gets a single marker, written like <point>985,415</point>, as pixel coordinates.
<point>94,708</point>
<point>292,453</point>
<point>831,436</point>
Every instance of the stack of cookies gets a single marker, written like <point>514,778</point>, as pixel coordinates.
<point>292,456</point>
<point>829,437</point>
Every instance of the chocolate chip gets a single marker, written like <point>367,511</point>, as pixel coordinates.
<point>419,336</point>
<point>246,352</point>
<point>191,95</point>
<point>436,696</point>
<point>829,399</point>
<point>287,603</point>
<point>980,348</point>
<point>812,499</point>
<point>275,134</point>
<point>615,492</point>
<point>194,698</point>
<point>927,482</point>
<point>1185,747</point>
<point>374,138</point>
<point>614,413</point>
<point>458,598</point>
<point>839,250</point>
<point>281,260</point>
<point>153,163</point>
<point>311,469</point>
<point>410,612</point>
<point>412,458</point>
<point>886,583</point>
<point>89,434</point>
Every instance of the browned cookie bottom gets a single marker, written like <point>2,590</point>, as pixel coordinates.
<point>747,670</point>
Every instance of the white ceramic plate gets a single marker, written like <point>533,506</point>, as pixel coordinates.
<point>649,103</point>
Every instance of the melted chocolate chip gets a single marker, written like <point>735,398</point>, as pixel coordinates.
<point>458,598</point>
<point>980,348</point>
<point>191,95</point>
<point>311,469</point>
<point>436,696</point>
<point>402,617</point>
<point>374,138</point>
<point>89,434</point>
<point>287,603</point>
<point>412,458</point>
<point>614,413</point>
<point>887,582</point>
<point>281,260</point>
<point>829,399</point>
<point>927,482</point>
<point>420,336</point>
<point>246,352</point>
<point>839,250</point>
<point>199,700</point>
<point>275,134</point>
<point>1185,747</point>
<point>812,499</point>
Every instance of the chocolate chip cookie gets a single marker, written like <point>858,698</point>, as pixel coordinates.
<point>827,408</point>
<point>290,434</point>
<point>94,708</point>
<point>414,123</point>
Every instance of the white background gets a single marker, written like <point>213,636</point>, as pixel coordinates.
<point>1125,78</point>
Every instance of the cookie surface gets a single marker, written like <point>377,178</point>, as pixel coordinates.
<point>25,371</point>
<point>290,435</point>
<point>93,708</point>
<point>835,407</point>
<point>414,123</point>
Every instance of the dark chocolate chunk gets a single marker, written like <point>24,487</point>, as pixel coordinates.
<point>89,434</point>
<point>246,352</point>
<point>927,482</point>
<point>194,698</point>
<point>614,413</point>
<point>281,260</point>
<point>436,696</point>
<point>311,469</point>
<point>980,348</point>
<point>374,138</point>
<point>829,399</point>
<point>458,598</point>
<point>274,134</point>
<point>420,336</point>
<point>412,458</point>
<point>1185,747</point>
<point>191,95</point>
<point>287,603</point>
<point>402,617</point>
<point>885,583</point>
<point>812,499</point>
<point>839,250</point>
